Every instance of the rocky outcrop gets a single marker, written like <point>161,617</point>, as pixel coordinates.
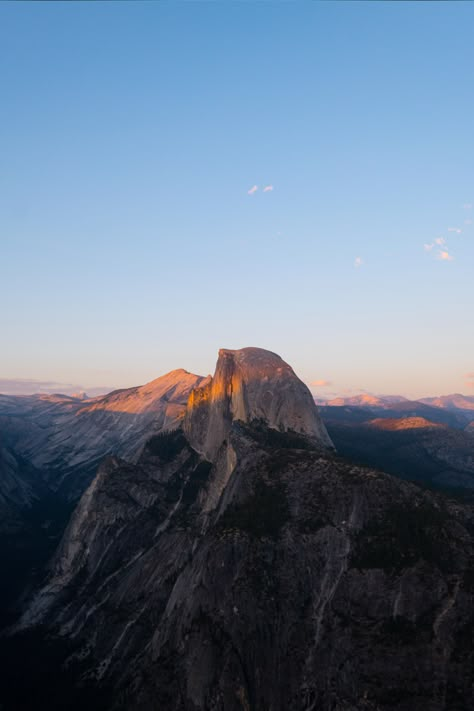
<point>250,384</point>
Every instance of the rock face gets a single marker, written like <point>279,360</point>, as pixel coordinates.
<point>65,438</point>
<point>50,449</point>
<point>17,490</point>
<point>312,584</point>
<point>240,565</point>
<point>250,384</point>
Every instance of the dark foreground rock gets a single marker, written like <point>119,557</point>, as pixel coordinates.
<point>311,584</point>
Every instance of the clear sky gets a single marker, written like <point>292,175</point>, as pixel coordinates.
<point>130,137</point>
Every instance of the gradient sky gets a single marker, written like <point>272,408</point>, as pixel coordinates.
<point>130,135</point>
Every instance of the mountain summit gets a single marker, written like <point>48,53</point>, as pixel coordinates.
<point>237,564</point>
<point>250,384</point>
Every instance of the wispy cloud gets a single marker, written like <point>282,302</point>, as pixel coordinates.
<point>454,229</point>
<point>268,188</point>
<point>467,206</point>
<point>468,222</point>
<point>469,376</point>
<point>440,241</point>
<point>444,256</point>
<point>252,190</point>
<point>428,247</point>
<point>321,383</point>
<point>358,262</point>
<point>470,385</point>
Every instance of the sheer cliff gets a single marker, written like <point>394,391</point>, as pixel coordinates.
<point>250,384</point>
<point>240,564</point>
<point>50,449</point>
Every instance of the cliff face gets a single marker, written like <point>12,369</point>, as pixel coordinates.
<point>250,384</point>
<point>310,584</point>
<point>239,564</point>
<point>17,490</point>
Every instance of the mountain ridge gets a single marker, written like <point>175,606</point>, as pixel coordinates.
<point>274,576</point>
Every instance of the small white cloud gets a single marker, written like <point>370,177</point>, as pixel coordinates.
<point>454,229</point>
<point>444,256</point>
<point>252,190</point>
<point>321,383</point>
<point>467,206</point>
<point>428,247</point>
<point>468,222</point>
<point>358,262</point>
<point>268,188</point>
<point>440,241</point>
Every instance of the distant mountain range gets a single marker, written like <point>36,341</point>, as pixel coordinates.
<point>429,441</point>
<point>10,386</point>
<point>449,402</point>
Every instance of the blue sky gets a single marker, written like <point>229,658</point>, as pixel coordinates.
<point>130,135</point>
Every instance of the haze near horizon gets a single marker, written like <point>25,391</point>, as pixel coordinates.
<point>180,178</point>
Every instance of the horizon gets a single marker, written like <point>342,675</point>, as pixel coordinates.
<point>24,387</point>
<point>179,177</point>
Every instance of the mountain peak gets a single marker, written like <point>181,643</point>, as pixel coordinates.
<point>250,384</point>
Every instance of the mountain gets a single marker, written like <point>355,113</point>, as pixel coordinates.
<point>410,440</point>
<point>363,400</point>
<point>392,424</point>
<point>250,384</point>
<point>66,438</point>
<point>415,408</point>
<point>17,489</point>
<point>50,449</point>
<point>451,402</point>
<point>10,386</point>
<point>397,404</point>
<point>240,564</point>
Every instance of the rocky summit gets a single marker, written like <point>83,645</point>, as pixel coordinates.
<point>248,385</point>
<point>240,565</point>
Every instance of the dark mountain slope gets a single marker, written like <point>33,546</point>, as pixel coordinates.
<point>275,576</point>
<point>311,584</point>
<point>407,408</point>
<point>50,448</point>
<point>407,445</point>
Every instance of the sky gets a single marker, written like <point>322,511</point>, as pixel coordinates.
<point>180,177</point>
